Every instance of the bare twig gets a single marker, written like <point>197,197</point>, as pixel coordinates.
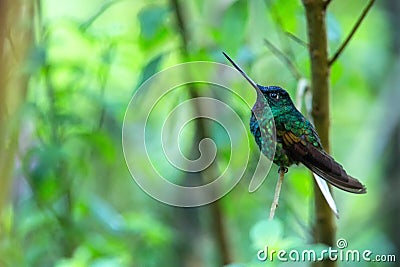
<point>280,55</point>
<point>104,74</point>
<point>278,187</point>
<point>302,88</point>
<point>85,25</point>
<point>351,34</point>
<point>297,39</point>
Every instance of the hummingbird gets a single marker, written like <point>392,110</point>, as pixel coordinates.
<point>297,141</point>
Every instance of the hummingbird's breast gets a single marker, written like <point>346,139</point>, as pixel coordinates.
<point>269,140</point>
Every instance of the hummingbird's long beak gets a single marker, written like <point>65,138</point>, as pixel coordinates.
<point>243,73</point>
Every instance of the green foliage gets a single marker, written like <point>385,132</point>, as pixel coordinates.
<point>75,203</point>
<point>233,28</point>
<point>152,20</point>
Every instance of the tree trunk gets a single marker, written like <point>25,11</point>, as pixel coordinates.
<point>324,228</point>
<point>16,35</point>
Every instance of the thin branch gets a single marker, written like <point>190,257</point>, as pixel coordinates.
<point>278,187</point>
<point>353,31</point>
<point>104,74</point>
<point>85,25</point>
<point>180,23</point>
<point>280,55</point>
<point>297,39</point>
<point>302,88</point>
<point>217,222</point>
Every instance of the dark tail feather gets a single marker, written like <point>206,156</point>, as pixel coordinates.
<point>344,182</point>
<point>327,168</point>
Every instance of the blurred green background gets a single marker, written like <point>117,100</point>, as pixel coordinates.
<point>69,69</point>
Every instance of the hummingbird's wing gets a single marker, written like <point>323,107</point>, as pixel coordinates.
<point>302,144</point>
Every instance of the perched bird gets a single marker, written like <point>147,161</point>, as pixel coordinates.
<point>296,139</point>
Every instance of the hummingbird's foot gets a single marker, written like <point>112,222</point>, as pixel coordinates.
<point>283,169</point>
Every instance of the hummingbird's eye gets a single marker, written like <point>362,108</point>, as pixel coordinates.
<point>274,96</point>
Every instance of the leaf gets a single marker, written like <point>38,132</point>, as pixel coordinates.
<point>101,143</point>
<point>6,219</point>
<point>152,20</point>
<point>234,27</point>
<point>150,69</point>
<point>152,232</point>
<point>37,58</point>
<point>106,214</point>
<point>266,232</point>
<point>333,27</point>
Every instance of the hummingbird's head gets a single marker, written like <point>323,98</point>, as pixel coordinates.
<point>276,97</point>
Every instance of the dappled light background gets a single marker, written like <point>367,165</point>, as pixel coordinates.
<point>69,70</point>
